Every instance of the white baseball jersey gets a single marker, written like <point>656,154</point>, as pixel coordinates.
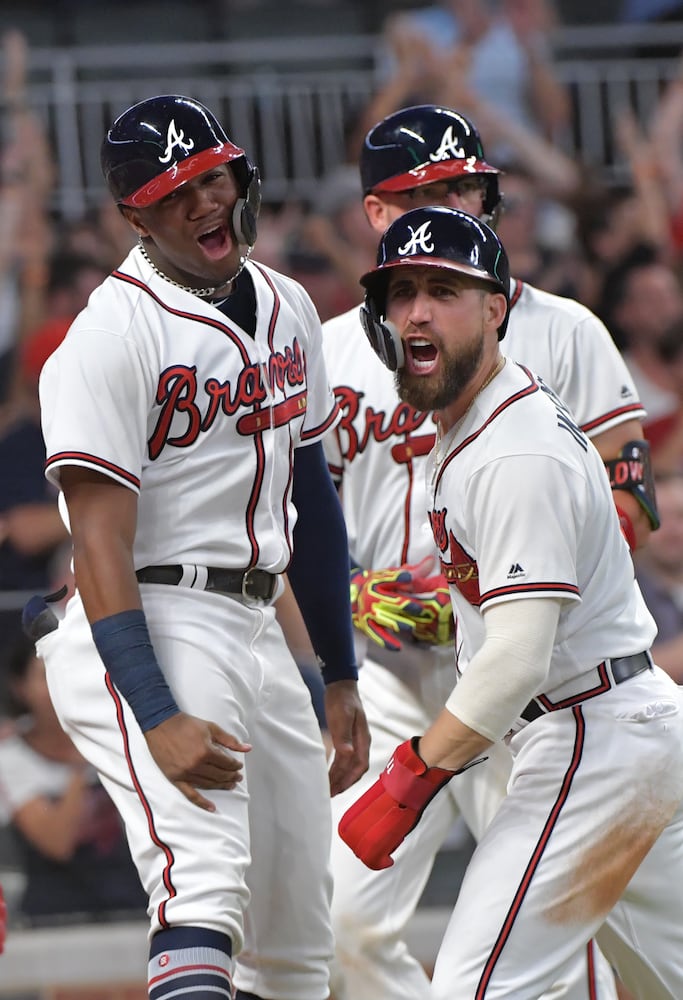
<point>159,381</point>
<point>516,515</point>
<point>379,452</point>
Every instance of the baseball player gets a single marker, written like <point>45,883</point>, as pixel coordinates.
<point>183,417</point>
<point>556,639</point>
<point>378,453</point>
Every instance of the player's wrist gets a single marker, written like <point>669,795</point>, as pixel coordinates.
<point>125,648</point>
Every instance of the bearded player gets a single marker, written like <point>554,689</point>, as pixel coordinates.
<point>415,157</point>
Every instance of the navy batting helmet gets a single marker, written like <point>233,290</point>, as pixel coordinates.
<point>163,142</point>
<point>436,236</point>
<point>423,144</point>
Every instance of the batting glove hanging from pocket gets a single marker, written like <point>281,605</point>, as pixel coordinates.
<point>388,605</point>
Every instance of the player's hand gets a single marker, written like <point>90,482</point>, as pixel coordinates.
<point>192,753</point>
<point>377,823</point>
<point>348,729</point>
<point>387,605</point>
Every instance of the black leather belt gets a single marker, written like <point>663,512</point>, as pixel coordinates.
<point>621,669</point>
<point>255,584</point>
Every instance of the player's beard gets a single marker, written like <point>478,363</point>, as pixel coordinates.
<point>434,392</point>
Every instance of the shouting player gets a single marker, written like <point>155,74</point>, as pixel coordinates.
<point>183,417</point>
<point>419,156</point>
<point>556,639</point>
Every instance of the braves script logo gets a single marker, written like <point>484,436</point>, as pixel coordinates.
<point>457,566</point>
<point>448,148</point>
<point>178,391</point>
<point>173,139</point>
<point>420,240</point>
<point>378,425</point>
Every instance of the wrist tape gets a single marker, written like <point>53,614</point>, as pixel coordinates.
<point>125,648</point>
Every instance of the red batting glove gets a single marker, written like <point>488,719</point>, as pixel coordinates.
<point>377,823</point>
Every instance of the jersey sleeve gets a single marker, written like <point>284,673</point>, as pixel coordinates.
<point>597,386</point>
<point>95,402</point>
<point>523,514</point>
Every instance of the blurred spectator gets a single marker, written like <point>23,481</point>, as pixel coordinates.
<point>316,272</point>
<point>68,835</point>
<point>71,278</point>
<point>334,240</point>
<point>538,234</point>
<point>642,298</point>
<point>501,49</point>
<point>666,162</point>
<point>26,183</point>
<point>32,534</point>
<point>33,539</point>
<point>659,571</point>
<point>102,235</point>
<point>668,455</point>
<point>609,229</point>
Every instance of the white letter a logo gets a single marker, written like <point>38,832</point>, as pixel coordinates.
<point>420,241</point>
<point>173,139</point>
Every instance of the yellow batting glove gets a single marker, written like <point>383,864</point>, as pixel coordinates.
<point>392,604</point>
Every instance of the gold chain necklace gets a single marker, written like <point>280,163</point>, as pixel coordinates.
<point>202,293</point>
<point>443,441</point>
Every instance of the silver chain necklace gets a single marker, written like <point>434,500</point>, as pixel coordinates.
<point>202,293</point>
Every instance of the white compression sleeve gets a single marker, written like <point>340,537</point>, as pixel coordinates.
<point>509,668</point>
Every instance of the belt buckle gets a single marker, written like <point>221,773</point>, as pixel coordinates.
<point>248,580</point>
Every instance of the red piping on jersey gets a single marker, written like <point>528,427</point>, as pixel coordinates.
<point>533,387</point>
<point>536,856</point>
<point>259,475</point>
<point>194,317</point>
<point>287,494</point>
<point>165,849</point>
<point>604,685</point>
<point>325,425</point>
<point>612,415</point>
<point>76,457</point>
<point>517,291</point>
<point>529,588</point>
<point>276,304</point>
<point>621,411</point>
<point>403,453</point>
<point>591,978</point>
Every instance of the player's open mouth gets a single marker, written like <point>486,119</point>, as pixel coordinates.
<point>215,242</point>
<point>421,357</point>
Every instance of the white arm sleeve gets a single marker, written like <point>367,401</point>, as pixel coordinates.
<point>509,668</point>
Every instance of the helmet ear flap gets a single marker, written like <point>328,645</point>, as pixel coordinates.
<point>383,335</point>
<point>246,210</point>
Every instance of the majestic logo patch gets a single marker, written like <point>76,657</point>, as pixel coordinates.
<point>420,241</point>
<point>448,148</point>
<point>515,571</point>
<point>175,138</point>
